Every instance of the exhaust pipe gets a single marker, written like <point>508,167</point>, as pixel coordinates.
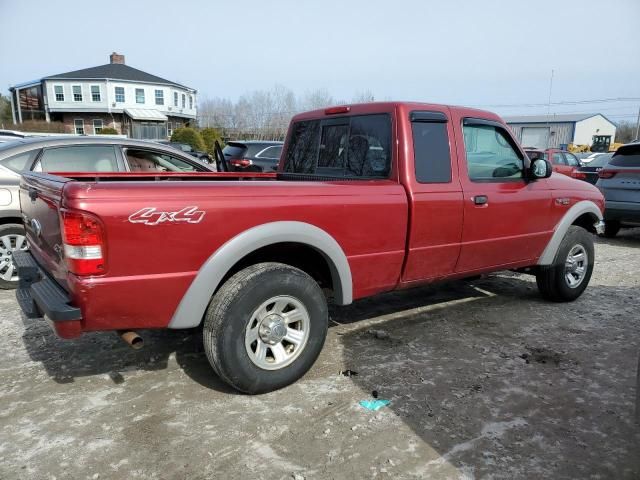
<point>132,339</point>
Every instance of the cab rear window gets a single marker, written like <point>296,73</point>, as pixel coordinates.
<point>357,146</point>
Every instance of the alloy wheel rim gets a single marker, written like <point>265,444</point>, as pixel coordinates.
<point>277,332</point>
<point>575,266</point>
<point>8,245</point>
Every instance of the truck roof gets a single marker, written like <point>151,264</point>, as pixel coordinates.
<point>378,107</point>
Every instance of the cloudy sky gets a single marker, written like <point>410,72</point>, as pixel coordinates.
<point>485,53</point>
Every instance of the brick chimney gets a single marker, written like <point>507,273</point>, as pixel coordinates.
<point>116,58</point>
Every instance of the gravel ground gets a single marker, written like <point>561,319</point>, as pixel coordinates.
<point>485,379</point>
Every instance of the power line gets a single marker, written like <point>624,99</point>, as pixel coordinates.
<point>567,102</point>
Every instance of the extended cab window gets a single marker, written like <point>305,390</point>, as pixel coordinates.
<point>491,155</point>
<point>85,158</point>
<point>431,151</point>
<point>352,147</point>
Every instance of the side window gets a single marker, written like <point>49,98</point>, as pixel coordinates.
<point>151,161</point>
<point>356,146</point>
<point>571,159</point>
<point>491,154</point>
<point>21,161</point>
<point>271,153</point>
<point>85,158</point>
<point>557,158</point>
<point>431,152</point>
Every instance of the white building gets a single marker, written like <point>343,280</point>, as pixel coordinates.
<point>115,95</point>
<point>558,131</point>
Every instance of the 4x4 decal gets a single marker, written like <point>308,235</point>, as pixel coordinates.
<point>151,216</point>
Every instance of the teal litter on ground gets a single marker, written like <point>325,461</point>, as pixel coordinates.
<point>374,405</point>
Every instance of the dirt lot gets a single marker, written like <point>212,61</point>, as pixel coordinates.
<point>485,379</point>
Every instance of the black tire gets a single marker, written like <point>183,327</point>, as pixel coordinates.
<point>231,310</point>
<point>611,228</point>
<point>551,280</point>
<point>7,230</point>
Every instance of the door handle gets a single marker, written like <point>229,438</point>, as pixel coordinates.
<point>480,199</point>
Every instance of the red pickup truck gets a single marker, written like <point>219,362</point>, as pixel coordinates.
<point>367,199</point>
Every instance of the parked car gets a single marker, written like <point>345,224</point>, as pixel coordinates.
<point>71,154</point>
<point>589,172</point>
<point>562,161</point>
<point>619,182</point>
<point>186,148</point>
<point>587,157</point>
<point>253,155</point>
<point>367,199</point>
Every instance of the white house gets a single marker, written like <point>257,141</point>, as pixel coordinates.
<point>115,95</point>
<point>558,131</point>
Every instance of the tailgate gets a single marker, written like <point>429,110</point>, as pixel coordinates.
<point>40,200</point>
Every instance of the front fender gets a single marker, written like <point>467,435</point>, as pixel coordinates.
<point>580,208</point>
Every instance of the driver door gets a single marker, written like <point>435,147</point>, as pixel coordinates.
<point>506,217</point>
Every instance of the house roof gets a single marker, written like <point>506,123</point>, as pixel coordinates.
<point>116,71</point>
<point>553,118</point>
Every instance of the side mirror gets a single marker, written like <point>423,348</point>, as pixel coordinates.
<point>540,168</point>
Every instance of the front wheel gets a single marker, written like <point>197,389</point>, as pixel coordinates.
<point>265,327</point>
<point>569,275</point>
<point>12,239</point>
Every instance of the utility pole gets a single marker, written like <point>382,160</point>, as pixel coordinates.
<point>549,109</point>
<point>638,126</point>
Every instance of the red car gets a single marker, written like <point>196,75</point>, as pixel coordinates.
<point>562,161</point>
<point>367,199</point>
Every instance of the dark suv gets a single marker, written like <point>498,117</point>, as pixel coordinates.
<point>253,155</point>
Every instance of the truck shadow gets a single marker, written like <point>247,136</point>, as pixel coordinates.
<point>506,385</point>
<point>104,353</point>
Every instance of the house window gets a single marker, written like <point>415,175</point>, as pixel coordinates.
<point>59,91</point>
<point>175,99</point>
<point>191,102</point>
<point>139,95</point>
<point>97,126</point>
<point>77,93</point>
<point>159,97</point>
<point>78,123</point>
<point>184,100</point>
<point>169,129</point>
<point>120,94</point>
<point>95,93</point>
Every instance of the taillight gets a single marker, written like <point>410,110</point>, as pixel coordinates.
<point>241,162</point>
<point>579,175</point>
<point>336,110</point>
<point>606,174</point>
<point>83,243</point>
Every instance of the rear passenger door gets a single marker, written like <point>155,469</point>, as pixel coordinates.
<point>435,219</point>
<point>506,217</point>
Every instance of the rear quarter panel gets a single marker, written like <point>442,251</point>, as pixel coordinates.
<point>150,267</point>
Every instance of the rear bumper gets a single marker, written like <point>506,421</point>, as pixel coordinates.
<point>622,211</point>
<point>40,296</point>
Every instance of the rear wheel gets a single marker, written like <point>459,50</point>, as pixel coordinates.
<point>265,327</point>
<point>12,239</point>
<point>569,275</point>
